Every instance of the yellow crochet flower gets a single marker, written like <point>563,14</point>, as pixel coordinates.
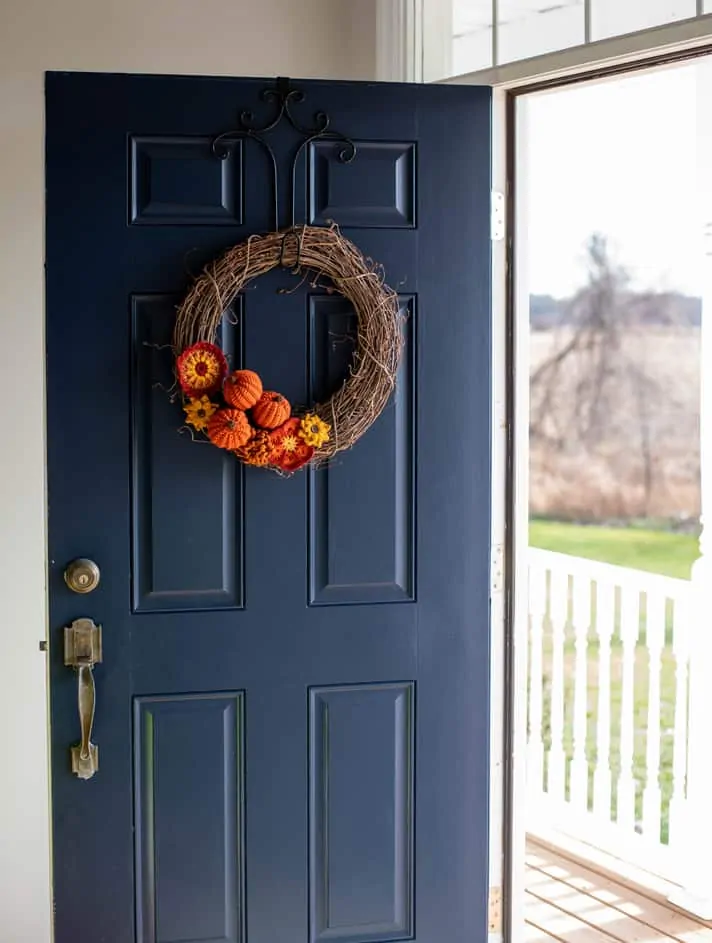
<point>314,430</point>
<point>198,412</point>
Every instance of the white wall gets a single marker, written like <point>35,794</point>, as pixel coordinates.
<point>308,38</point>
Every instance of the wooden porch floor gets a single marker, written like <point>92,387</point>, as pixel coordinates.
<point>571,903</point>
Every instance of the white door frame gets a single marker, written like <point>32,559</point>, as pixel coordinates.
<point>402,35</point>
<point>508,705</point>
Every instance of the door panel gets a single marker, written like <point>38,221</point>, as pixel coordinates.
<point>189,868</point>
<point>379,192</point>
<point>361,525</point>
<point>207,571</point>
<point>347,785</point>
<point>176,181</point>
<point>292,708</point>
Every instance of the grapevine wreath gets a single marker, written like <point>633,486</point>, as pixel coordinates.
<point>232,409</point>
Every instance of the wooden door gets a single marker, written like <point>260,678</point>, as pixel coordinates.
<point>293,703</point>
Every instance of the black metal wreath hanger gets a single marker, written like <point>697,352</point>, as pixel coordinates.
<point>283,96</point>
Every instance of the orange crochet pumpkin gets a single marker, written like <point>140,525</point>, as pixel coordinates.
<point>229,429</point>
<point>271,410</point>
<point>242,389</point>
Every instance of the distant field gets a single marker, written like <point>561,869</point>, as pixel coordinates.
<point>653,550</point>
<point>636,454</point>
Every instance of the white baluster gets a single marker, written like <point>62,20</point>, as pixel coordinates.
<point>537,614</point>
<point>581,614</point>
<point>558,612</point>
<point>605,617</point>
<point>630,626</point>
<point>655,640</point>
<point>681,652</point>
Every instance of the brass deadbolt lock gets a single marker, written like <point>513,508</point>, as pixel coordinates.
<point>82,575</point>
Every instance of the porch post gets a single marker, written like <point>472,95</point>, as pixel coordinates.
<point>694,847</point>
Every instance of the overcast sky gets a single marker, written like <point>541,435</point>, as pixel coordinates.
<point>618,157</point>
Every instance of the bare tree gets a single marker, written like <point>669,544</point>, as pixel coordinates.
<point>588,337</point>
<point>601,395</point>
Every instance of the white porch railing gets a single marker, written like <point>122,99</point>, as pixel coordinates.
<point>608,700</point>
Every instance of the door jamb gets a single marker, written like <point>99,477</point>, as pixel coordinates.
<point>514,678</point>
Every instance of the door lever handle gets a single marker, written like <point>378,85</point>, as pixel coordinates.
<point>82,650</point>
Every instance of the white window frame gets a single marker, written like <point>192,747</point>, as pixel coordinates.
<point>403,31</point>
<point>436,31</point>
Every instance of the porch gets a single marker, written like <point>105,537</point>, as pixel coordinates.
<point>570,902</point>
<point>618,763</point>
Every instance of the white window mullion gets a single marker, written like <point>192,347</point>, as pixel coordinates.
<point>587,20</point>
<point>495,33</point>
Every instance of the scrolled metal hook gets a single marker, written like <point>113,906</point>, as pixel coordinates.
<point>284,96</point>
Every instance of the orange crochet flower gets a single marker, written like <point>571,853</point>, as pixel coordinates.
<point>201,369</point>
<point>290,451</point>
<point>258,451</point>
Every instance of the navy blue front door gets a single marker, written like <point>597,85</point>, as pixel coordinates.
<point>292,707</point>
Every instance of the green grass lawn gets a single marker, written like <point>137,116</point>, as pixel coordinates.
<point>656,551</point>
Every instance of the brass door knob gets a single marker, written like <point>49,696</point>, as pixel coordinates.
<point>82,575</point>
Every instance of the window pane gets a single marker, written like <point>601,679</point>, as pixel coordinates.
<point>613,18</point>
<point>608,243</point>
<point>532,27</point>
<point>471,35</point>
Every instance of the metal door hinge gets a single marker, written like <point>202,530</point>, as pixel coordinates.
<point>498,216</point>
<point>496,569</point>
<point>494,912</point>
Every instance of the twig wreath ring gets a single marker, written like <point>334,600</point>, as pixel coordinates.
<point>232,409</point>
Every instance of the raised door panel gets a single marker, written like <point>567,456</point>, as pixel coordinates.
<point>362,513</point>
<point>375,190</point>
<point>187,528</point>
<point>177,181</point>
<point>361,813</point>
<point>189,793</point>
